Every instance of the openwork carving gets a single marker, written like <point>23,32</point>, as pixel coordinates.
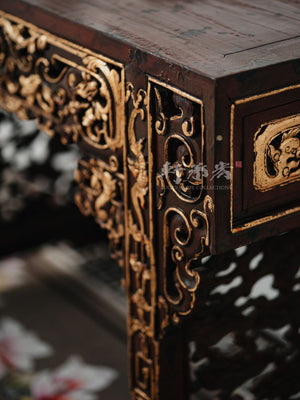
<point>100,194</point>
<point>277,150</point>
<point>182,234</point>
<point>174,238</point>
<point>179,120</point>
<point>81,96</point>
<point>177,126</point>
<point>137,166</point>
<point>140,249</point>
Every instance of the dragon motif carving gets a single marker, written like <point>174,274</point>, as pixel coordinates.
<point>277,150</point>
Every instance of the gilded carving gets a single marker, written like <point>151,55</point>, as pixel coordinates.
<point>263,164</point>
<point>161,122</point>
<point>277,153</point>
<point>142,278</point>
<point>154,307</point>
<point>101,195</point>
<point>137,165</point>
<point>179,255</point>
<point>160,294</point>
<point>82,99</point>
<point>179,120</point>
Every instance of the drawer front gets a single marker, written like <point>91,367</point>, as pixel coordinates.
<point>265,136</point>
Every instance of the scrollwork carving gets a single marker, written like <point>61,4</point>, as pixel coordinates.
<point>180,169</point>
<point>181,232</point>
<point>179,122</point>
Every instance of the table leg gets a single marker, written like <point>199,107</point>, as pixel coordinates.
<point>165,236</point>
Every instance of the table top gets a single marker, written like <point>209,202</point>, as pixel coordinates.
<point>212,37</point>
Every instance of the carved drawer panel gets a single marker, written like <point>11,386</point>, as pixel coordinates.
<point>265,135</point>
<point>277,153</point>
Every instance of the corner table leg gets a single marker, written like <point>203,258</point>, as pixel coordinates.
<point>166,232</point>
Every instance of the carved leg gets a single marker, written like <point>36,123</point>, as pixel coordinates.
<point>163,242</point>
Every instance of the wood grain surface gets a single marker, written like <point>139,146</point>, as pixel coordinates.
<point>215,38</point>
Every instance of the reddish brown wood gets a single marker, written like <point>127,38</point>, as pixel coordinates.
<point>214,38</point>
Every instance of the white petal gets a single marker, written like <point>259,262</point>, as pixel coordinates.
<point>42,385</point>
<point>22,347</point>
<point>10,328</point>
<point>35,347</point>
<point>92,378</point>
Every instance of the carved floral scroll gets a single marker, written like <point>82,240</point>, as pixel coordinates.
<point>79,95</point>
